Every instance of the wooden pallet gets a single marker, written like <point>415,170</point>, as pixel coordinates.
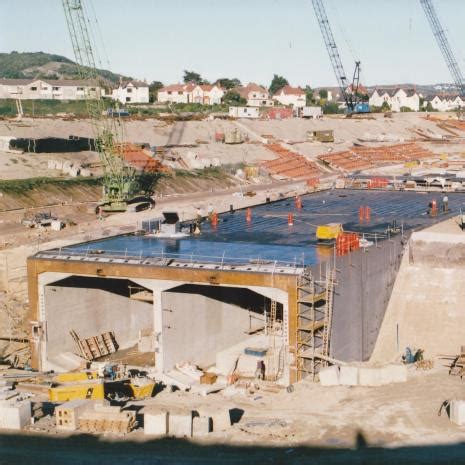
<point>95,347</point>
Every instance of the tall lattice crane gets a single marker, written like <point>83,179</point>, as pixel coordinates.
<point>444,45</point>
<point>351,97</point>
<point>119,183</point>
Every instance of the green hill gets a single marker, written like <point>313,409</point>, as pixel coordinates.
<point>16,65</point>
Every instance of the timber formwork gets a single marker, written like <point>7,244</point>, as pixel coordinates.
<point>314,316</point>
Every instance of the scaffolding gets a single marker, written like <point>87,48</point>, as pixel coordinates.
<point>314,318</point>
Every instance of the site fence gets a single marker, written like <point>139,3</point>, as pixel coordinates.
<point>162,257</point>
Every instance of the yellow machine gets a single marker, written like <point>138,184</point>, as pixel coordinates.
<point>328,232</point>
<point>86,390</point>
<point>71,376</point>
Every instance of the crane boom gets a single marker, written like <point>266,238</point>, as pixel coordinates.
<point>443,42</point>
<point>351,98</point>
<point>119,182</point>
<point>331,46</point>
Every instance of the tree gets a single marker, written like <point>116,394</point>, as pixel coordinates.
<point>323,93</point>
<point>228,83</point>
<point>277,84</point>
<point>154,87</point>
<point>192,76</point>
<point>331,108</point>
<point>234,99</point>
<point>309,96</point>
<point>385,107</point>
<point>429,107</point>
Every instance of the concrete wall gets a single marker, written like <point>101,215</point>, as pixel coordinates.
<point>197,326</point>
<point>364,284</point>
<point>90,312</point>
<point>427,308</point>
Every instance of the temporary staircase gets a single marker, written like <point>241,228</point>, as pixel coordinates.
<point>314,317</point>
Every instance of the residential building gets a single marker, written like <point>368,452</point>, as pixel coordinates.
<point>49,89</point>
<point>396,98</point>
<point>445,102</point>
<point>132,92</point>
<point>256,96</point>
<point>207,94</point>
<point>293,96</point>
<point>176,93</point>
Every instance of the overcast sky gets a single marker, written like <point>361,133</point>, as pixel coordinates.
<point>248,39</point>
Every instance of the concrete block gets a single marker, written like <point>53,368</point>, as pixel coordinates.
<point>15,414</point>
<point>180,424</point>
<point>156,423</point>
<point>329,376</point>
<point>67,414</point>
<point>201,426</point>
<point>396,373</point>
<point>369,376</point>
<point>348,376</point>
<point>221,420</point>
<point>457,412</point>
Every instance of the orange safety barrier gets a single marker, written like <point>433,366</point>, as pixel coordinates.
<point>214,219</point>
<point>290,219</point>
<point>347,242</point>
<point>364,213</point>
<point>367,213</point>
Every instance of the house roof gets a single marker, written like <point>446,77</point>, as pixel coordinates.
<point>173,88</point>
<point>135,83</point>
<point>15,82</point>
<point>206,87</point>
<point>393,91</point>
<point>361,89</point>
<point>244,91</point>
<point>289,90</point>
<point>252,87</point>
<point>51,82</point>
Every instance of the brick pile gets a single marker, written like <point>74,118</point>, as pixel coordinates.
<point>290,164</point>
<point>362,158</point>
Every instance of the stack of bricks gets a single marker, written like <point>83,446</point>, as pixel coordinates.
<point>362,158</point>
<point>290,164</point>
<point>107,420</point>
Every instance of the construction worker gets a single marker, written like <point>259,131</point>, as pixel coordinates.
<point>260,371</point>
<point>445,203</point>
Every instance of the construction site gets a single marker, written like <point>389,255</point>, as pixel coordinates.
<point>208,288</point>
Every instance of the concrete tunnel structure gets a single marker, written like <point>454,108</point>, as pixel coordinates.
<point>197,308</point>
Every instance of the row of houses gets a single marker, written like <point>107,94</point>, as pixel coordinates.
<point>411,99</point>
<point>134,91</point>
<point>255,95</point>
<point>71,89</point>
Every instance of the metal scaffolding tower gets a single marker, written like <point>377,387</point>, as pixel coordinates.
<point>314,318</point>
<point>444,45</point>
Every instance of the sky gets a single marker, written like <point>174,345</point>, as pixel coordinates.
<point>247,39</point>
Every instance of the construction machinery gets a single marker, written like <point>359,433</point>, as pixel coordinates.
<point>120,186</point>
<point>445,48</point>
<point>350,92</point>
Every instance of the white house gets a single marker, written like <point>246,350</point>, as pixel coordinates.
<point>49,89</point>
<point>207,94</point>
<point>256,96</point>
<point>294,96</point>
<point>176,93</point>
<point>132,92</point>
<point>244,112</point>
<point>396,98</point>
<point>445,102</point>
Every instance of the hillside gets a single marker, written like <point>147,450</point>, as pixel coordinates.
<point>26,65</point>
